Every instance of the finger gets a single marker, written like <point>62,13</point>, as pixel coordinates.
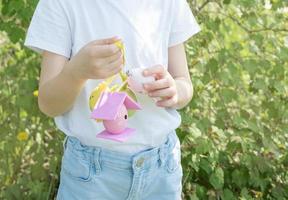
<point>156,71</point>
<point>171,102</point>
<point>110,59</point>
<point>116,70</point>
<point>102,51</point>
<point>115,65</point>
<point>168,92</point>
<point>106,41</point>
<point>158,84</point>
<point>110,70</point>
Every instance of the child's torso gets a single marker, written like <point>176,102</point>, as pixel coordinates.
<point>144,27</point>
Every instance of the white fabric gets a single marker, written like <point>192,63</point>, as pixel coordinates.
<point>147,27</point>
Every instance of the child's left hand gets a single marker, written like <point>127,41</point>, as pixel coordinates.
<point>164,86</point>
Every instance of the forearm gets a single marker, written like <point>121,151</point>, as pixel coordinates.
<point>184,92</point>
<point>56,96</point>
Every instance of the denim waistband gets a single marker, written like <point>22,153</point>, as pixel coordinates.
<point>142,160</point>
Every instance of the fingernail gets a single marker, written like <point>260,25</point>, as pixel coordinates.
<point>117,37</point>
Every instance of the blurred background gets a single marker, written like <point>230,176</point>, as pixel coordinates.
<point>234,132</point>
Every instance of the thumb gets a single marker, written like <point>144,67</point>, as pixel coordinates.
<point>106,41</point>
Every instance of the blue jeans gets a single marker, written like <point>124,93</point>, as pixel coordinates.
<point>95,173</point>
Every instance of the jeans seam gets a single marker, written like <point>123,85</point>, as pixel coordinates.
<point>68,173</point>
<point>65,143</point>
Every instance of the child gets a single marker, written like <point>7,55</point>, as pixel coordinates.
<point>77,41</point>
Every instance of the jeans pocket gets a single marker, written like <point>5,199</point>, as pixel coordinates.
<point>174,159</point>
<point>76,167</point>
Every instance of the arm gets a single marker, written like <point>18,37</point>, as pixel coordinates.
<point>57,89</point>
<point>61,80</point>
<point>174,85</point>
<point>178,68</point>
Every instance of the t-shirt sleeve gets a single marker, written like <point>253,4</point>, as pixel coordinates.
<point>184,24</point>
<point>49,29</point>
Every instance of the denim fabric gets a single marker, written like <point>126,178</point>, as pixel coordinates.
<point>95,173</point>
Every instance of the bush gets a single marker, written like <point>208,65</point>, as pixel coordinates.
<point>234,133</point>
<point>29,163</point>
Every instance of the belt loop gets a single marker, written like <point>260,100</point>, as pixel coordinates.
<point>65,143</point>
<point>96,160</point>
<point>161,156</point>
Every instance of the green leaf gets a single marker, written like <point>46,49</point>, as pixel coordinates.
<point>228,95</point>
<point>250,66</point>
<point>217,178</point>
<point>227,195</point>
<point>206,166</point>
<point>245,194</point>
<point>227,1</point>
<point>203,146</point>
<point>212,65</point>
<point>201,192</point>
<point>240,177</point>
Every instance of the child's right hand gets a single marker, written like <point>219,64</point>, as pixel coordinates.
<point>98,59</point>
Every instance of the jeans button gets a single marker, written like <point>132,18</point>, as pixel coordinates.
<point>140,162</point>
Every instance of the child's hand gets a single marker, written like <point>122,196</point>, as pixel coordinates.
<point>164,86</point>
<point>98,59</point>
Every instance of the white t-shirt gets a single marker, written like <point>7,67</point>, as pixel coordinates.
<point>147,27</point>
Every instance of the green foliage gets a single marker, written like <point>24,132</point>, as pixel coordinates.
<point>29,163</point>
<point>234,132</point>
